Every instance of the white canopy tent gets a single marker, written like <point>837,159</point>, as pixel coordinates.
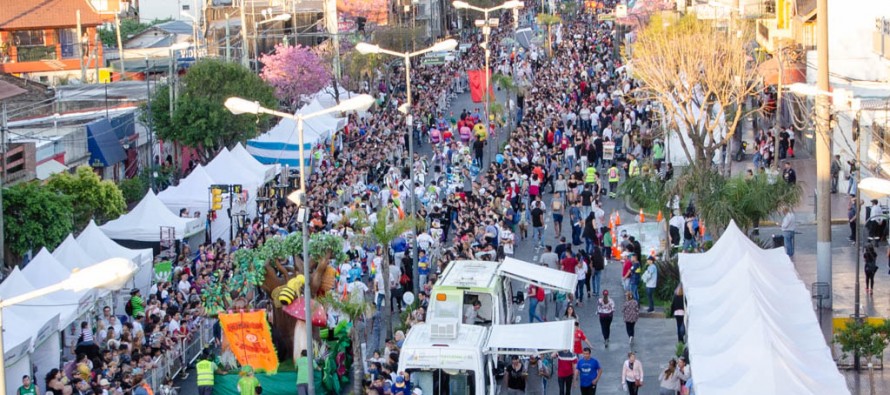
<point>100,247</point>
<point>225,168</point>
<point>17,343</point>
<point>751,325</point>
<point>281,144</point>
<point>144,222</point>
<point>43,271</point>
<point>193,194</point>
<point>268,172</point>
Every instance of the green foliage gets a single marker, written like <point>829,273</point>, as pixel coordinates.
<point>200,120</point>
<point>668,279</point>
<point>718,199</point>
<point>96,199</point>
<point>679,349</point>
<point>134,189</point>
<point>357,67</point>
<point>35,216</point>
<point>860,337</point>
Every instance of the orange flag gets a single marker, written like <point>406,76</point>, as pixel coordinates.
<point>249,336</point>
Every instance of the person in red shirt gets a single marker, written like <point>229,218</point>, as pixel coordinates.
<point>625,279</point>
<point>579,338</point>
<point>569,262</point>
<point>565,370</point>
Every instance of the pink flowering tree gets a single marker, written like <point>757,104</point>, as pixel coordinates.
<point>640,11</point>
<point>296,72</point>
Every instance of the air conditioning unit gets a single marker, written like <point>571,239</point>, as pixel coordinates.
<point>444,330</point>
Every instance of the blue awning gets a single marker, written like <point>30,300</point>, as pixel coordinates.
<point>103,144</point>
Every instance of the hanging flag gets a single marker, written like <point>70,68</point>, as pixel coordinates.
<point>477,85</point>
<point>250,339</point>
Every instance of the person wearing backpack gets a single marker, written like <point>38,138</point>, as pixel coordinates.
<point>535,296</point>
<point>598,264</point>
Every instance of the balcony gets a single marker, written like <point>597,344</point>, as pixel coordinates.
<point>768,34</point>
<point>36,53</point>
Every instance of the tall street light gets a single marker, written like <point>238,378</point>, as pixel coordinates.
<point>111,274</point>
<point>242,106</point>
<point>486,25</point>
<point>194,30</point>
<point>365,49</point>
<point>256,36</point>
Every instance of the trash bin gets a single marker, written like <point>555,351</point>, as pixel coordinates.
<point>778,241</point>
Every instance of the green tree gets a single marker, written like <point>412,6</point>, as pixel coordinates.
<point>863,339</point>
<point>549,21</point>
<point>35,216</point>
<point>718,199</point>
<point>357,311</point>
<point>129,28</point>
<point>383,232</point>
<point>200,120</point>
<point>95,198</point>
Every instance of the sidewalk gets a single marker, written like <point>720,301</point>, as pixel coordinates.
<point>805,165</point>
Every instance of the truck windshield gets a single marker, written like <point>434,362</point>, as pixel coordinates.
<point>444,381</point>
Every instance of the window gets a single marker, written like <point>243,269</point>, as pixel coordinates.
<point>68,43</point>
<point>100,5</point>
<point>185,7</point>
<point>28,38</point>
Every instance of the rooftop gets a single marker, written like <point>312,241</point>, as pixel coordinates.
<point>472,274</point>
<point>19,15</point>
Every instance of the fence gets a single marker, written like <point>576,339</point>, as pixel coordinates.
<point>178,359</point>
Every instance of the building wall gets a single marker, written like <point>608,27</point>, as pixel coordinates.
<point>58,60</point>
<point>850,40</point>
<point>150,10</point>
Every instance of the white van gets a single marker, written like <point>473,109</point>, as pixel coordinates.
<point>465,282</point>
<point>464,362</point>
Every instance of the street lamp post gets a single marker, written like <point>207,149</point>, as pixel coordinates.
<point>486,25</point>
<point>110,274</point>
<point>241,106</point>
<point>195,30</point>
<point>447,45</point>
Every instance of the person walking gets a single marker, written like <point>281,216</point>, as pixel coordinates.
<point>650,279</point>
<point>605,308</point>
<point>669,379</point>
<point>581,275</point>
<point>835,173</point>
<point>537,372</point>
<point>632,374</point>
<point>538,222</point>
<point>597,264</point>
<point>587,373</point>
<point>205,369</point>
<point>515,376</point>
<point>631,311</point>
<point>679,310</point>
<point>789,225</point>
<point>871,267</point>
<point>535,296</point>
<point>580,339</point>
<point>565,370</point>
<point>303,372</point>
<point>248,383</point>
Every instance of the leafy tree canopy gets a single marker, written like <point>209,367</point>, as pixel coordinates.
<point>295,72</point>
<point>35,216</point>
<point>95,198</point>
<point>200,119</point>
<point>129,28</point>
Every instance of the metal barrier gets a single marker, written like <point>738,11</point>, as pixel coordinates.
<point>178,359</point>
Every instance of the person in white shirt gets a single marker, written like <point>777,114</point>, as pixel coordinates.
<point>676,226</point>
<point>789,226</point>
<point>184,284</point>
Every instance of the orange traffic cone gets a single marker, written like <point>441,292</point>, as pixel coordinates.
<point>659,217</point>
<point>618,219</point>
<point>642,216</point>
<point>701,228</point>
<point>616,254</point>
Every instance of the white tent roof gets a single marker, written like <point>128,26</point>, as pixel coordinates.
<point>73,256</point>
<point>225,168</point>
<point>537,338</point>
<point>751,324</point>
<point>101,247</point>
<point>192,191</point>
<point>43,271</point>
<point>538,275</point>
<point>25,326</point>
<point>144,222</point>
<point>247,160</point>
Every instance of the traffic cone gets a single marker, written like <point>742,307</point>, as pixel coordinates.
<point>616,254</point>
<point>701,228</point>
<point>642,216</point>
<point>659,217</point>
<point>618,219</point>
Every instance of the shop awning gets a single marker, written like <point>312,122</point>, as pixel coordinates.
<point>105,149</point>
<point>791,73</point>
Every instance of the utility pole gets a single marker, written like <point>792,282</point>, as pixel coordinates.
<point>245,55</point>
<point>2,181</point>
<point>80,50</point>
<point>120,46</point>
<point>228,41</point>
<point>823,154</point>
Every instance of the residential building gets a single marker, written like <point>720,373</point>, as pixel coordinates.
<point>39,39</point>
<point>181,10</point>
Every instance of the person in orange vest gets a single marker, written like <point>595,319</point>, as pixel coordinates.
<point>140,387</point>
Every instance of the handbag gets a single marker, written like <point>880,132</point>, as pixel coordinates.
<point>638,383</point>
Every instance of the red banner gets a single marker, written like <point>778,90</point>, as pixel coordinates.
<point>477,85</point>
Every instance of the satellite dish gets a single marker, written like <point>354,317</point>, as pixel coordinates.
<point>408,298</point>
